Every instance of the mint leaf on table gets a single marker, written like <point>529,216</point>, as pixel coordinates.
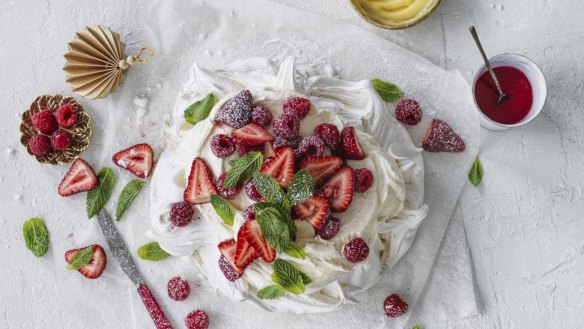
<point>476,172</point>
<point>152,251</point>
<point>387,91</point>
<point>270,190</point>
<point>127,196</point>
<point>80,258</point>
<point>99,196</point>
<point>36,236</point>
<point>271,292</point>
<point>223,208</point>
<point>243,168</point>
<point>200,110</point>
<point>286,275</point>
<point>301,187</point>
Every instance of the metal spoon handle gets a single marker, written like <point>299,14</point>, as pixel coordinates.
<point>475,36</point>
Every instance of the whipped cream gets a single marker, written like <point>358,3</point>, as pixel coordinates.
<point>386,216</point>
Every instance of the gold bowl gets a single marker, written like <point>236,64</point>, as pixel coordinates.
<point>396,25</point>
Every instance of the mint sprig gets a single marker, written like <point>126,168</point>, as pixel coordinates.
<point>223,208</point>
<point>271,292</point>
<point>127,196</point>
<point>152,251</point>
<point>301,187</point>
<point>387,91</point>
<point>80,258</point>
<point>243,168</point>
<point>36,236</point>
<point>286,275</point>
<point>200,110</point>
<point>475,176</point>
<point>270,190</point>
<point>99,196</point>
<point>273,225</point>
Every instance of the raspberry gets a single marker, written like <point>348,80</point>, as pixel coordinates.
<point>311,145</point>
<point>394,306</point>
<point>45,122</point>
<point>363,180</point>
<point>261,115</point>
<point>39,145</point>
<point>329,134</point>
<point>409,112</point>
<point>237,111</point>
<point>287,126</point>
<point>244,149</point>
<point>228,270</point>
<point>181,214</point>
<point>329,229</point>
<point>178,288</point>
<point>60,140</point>
<point>228,193</point>
<point>252,192</point>
<point>356,250</point>
<point>281,141</point>
<point>197,320</point>
<point>249,213</point>
<point>66,116</point>
<point>297,106</point>
<point>222,146</point>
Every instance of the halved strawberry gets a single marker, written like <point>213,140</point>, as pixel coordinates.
<point>321,168</point>
<point>244,252</point>
<point>79,178</point>
<point>228,249</point>
<point>253,234</point>
<point>315,210</point>
<point>442,138</point>
<point>251,134</point>
<point>281,167</point>
<point>350,146</point>
<point>137,159</point>
<point>339,189</point>
<point>95,267</point>
<point>200,185</point>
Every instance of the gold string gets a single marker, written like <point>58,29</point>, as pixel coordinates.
<point>131,60</point>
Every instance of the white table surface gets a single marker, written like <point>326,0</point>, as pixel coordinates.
<point>524,223</point>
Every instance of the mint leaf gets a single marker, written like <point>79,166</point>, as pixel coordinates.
<point>223,208</point>
<point>416,327</point>
<point>294,250</point>
<point>36,236</point>
<point>274,227</point>
<point>200,110</point>
<point>387,91</point>
<point>152,251</point>
<point>271,292</point>
<point>99,196</point>
<point>80,258</point>
<point>476,172</point>
<point>286,275</point>
<point>127,196</point>
<point>301,187</point>
<point>305,278</point>
<point>270,190</point>
<point>243,168</point>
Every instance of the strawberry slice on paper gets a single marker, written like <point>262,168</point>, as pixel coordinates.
<point>200,183</point>
<point>244,252</point>
<point>251,134</point>
<point>339,189</point>
<point>314,210</point>
<point>442,138</point>
<point>281,166</point>
<point>94,268</point>
<point>253,234</point>
<point>321,168</point>
<point>79,178</point>
<point>137,159</point>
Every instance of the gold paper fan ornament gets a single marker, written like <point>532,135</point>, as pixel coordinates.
<point>96,62</point>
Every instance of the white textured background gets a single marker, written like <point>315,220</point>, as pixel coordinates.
<point>524,223</point>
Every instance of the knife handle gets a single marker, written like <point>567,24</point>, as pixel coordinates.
<point>153,308</point>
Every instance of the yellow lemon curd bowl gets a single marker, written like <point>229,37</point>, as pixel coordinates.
<point>395,14</point>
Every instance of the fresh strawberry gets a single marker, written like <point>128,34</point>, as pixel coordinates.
<point>200,184</point>
<point>95,267</point>
<point>251,134</point>
<point>321,168</point>
<point>281,167</point>
<point>253,234</point>
<point>350,146</point>
<point>339,189</point>
<point>137,159</point>
<point>314,210</point>
<point>442,138</point>
<point>79,178</point>
<point>228,249</point>
<point>244,252</point>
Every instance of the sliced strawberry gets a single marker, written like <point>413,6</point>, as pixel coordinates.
<point>228,249</point>
<point>200,185</point>
<point>251,134</point>
<point>321,168</point>
<point>314,210</point>
<point>339,189</point>
<point>137,159</point>
<point>442,138</point>
<point>281,167</point>
<point>253,234</point>
<point>244,252</point>
<point>79,178</point>
<point>95,267</point>
<point>350,146</point>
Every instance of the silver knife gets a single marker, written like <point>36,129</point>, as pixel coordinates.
<point>122,255</point>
